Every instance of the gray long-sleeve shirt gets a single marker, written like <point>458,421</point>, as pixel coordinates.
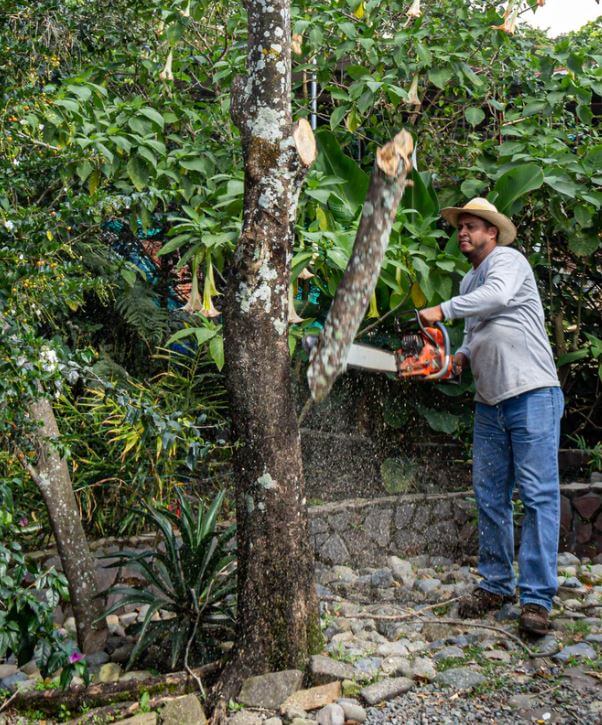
<point>504,334</point>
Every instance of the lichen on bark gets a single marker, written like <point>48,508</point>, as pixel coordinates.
<point>276,591</point>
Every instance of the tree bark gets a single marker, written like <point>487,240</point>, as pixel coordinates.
<point>329,357</point>
<point>277,604</point>
<point>51,476</point>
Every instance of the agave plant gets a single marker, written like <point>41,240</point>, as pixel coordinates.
<point>191,578</point>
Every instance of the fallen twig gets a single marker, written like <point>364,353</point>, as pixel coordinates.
<point>405,615</point>
<point>500,630</point>
<point>7,702</point>
<point>457,622</point>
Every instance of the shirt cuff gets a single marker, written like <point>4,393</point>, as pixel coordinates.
<point>446,308</point>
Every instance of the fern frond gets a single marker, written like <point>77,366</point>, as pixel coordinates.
<point>140,308</point>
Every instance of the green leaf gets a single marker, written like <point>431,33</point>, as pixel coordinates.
<point>138,172</point>
<point>198,164</point>
<point>534,107</point>
<point>583,216</point>
<point>440,421</point>
<point>472,187</point>
<point>202,334</point>
<point>216,350</point>
<point>596,344</point>
<point>583,244</point>
<point>563,185</point>
<point>348,29</point>
<point>421,196</point>
<point>153,115</point>
<point>148,155</point>
<point>82,92</point>
<point>439,77</point>
<point>570,357</point>
<point>474,115</point>
<point>515,183</point>
<point>93,182</point>
<point>471,75</point>
<point>332,161</point>
<point>83,170</point>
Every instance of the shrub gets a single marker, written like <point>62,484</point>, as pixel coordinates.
<point>190,577</point>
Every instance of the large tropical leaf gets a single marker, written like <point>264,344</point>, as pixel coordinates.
<point>332,161</point>
<point>514,184</point>
<point>421,196</point>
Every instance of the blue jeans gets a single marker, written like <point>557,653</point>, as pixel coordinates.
<point>516,442</point>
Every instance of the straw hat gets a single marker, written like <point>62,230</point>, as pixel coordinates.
<point>485,210</point>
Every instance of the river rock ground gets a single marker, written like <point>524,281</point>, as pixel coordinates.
<point>396,652</point>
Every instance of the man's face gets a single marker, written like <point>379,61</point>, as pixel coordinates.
<point>475,237</point>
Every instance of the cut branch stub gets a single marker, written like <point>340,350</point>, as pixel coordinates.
<point>305,142</point>
<point>389,177</point>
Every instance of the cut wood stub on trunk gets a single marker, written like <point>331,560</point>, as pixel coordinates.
<point>328,358</point>
<point>305,142</point>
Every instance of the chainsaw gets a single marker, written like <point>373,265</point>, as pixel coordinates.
<point>423,355</point>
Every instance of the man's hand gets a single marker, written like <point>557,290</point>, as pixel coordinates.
<point>461,362</point>
<point>430,315</point>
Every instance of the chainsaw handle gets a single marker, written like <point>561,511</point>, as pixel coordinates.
<point>446,350</point>
<point>426,333</point>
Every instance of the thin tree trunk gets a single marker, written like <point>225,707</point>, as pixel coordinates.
<point>277,604</point>
<point>329,357</point>
<point>51,476</point>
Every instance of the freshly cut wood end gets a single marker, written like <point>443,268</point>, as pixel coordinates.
<point>305,142</point>
<point>389,156</point>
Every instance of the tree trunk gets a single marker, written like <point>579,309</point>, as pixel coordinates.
<point>329,357</point>
<point>278,611</point>
<point>51,476</point>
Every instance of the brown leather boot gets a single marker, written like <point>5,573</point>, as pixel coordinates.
<point>534,620</point>
<point>479,602</point>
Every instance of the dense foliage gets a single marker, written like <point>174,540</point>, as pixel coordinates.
<point>121,194</point>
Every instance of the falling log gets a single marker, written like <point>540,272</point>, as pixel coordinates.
<point>328,359</point>
<point>102,693</point>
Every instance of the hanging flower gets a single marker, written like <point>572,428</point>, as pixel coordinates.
<point>413,92</point>
<point>167,74</point>
<point>209,289</point>
<point>305,274</point>
<point>414,10</point>
<point>293,317</point>
<point>360,10</point>
<point>373,309</point>
<point>510,17</point>
<point>194,303</point>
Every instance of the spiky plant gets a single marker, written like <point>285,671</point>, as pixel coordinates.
<point>193,581</point>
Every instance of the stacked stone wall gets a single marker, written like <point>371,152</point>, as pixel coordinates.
<point>365,532</point>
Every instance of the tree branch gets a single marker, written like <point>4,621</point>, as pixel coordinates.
<point>389,177</point>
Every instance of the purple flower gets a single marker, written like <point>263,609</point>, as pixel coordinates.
<point>75,657</point>
<point>23,521</point>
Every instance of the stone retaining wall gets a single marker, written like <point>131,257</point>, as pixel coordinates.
<point>581,518</point>
<point>364,532</point>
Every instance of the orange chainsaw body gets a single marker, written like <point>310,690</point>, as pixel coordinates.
<point>423,354</point>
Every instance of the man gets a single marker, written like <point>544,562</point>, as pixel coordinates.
<point>517,418</point>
